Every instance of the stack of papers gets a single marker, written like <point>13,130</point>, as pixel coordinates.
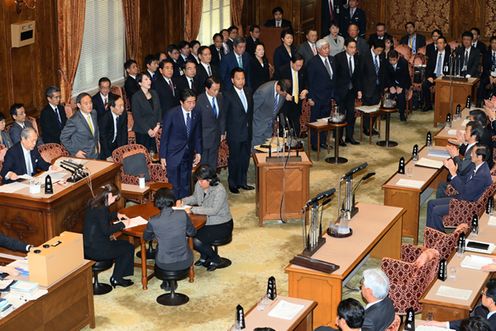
<point>410,183</point>
<point>440,153</point>
<point>285,310</point>
<point>369,109</point>
<point>12,187</point>
<point>428,163</point>
<point>452,292</point>
<point>452,132</point>
<point>430,328</point>
<point>475,262</point>
<point>491,222</point>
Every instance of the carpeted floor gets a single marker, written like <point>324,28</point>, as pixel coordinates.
<point>256,252</point>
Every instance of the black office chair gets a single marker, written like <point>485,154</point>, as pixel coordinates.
<point>222,242</point>
<point>172,298</point>
<point>99,266</point>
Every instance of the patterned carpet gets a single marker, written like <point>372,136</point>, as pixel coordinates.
<point>256,252</point>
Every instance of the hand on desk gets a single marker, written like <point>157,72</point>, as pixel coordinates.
<point>11,175</point>
<point>122,216</point>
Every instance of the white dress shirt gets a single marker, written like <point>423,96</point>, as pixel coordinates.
<point>114,119</point>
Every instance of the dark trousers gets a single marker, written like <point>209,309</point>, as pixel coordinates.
<point>319,110</point>
<point>209,156</point>
<point>426,94</point>
<point>207,235</point>
<point>436,209</point>
<point>347,107</point>
<point>401,102</point>
<point>147,141</point>
<point>292,111</point>
<point>121,252</point>
<point>180,176</point>
<point>238,163</point>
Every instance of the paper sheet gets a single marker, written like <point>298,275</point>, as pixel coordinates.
<point>455,293</point>
<point>475,262</point>
<point>285,310</point>
<point>369,109</point>
<point>430,328</point>
<point>425,162</point>
<point>452,132</point>
<point>410,183</point>
<point>12,187</point>
<point>439,153</point>
<point>55,175</point>
<point>135,221</point>
<point>183,207</point>
<point>492,221</point>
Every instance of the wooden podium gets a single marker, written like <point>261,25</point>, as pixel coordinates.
<point>460,91</point>
<point>278,179</point>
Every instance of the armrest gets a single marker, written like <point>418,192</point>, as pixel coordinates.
<point>409,252</point>
<point>157,173</point>
<point>397,271</point>
<point>129,179</point>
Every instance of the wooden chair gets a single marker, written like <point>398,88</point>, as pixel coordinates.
<point>223,156</point>
<point>304,117</point>
<point>51,151</point>
<point>131,135</point>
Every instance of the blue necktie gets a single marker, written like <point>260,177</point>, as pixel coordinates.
<point>240,62</point>
<point>376,64</point>
<point>188,123</point>
<point>214,108</point>
<point>243,100</point>
<point>439,65</point>
<point>276,102</point>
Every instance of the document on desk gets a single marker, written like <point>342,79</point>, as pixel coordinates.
<point>54,175</point>
<point>428,163</point>
<point>183,207</point>
<point>452,132</point>
<point>430,328</point>
<point>410,183</point>
<point>12,187</point>
<point>135,221</point>
<point>285,310</point>
<point>369,109</point>
<point>439,153</point>
<point>475,262</point>
<point>491,222</point>
<point>454,293</point>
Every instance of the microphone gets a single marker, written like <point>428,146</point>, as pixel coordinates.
<point>355,170</point>
<point>320,196</point>
<point>364,178</point>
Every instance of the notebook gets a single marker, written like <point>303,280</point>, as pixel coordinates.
<point>455,293</point>
<point>410,183</point>
<point>285,310</point>
<point>475,262</point>
<point>428,163</point>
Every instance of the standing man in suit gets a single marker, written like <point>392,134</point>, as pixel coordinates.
<point>173,53</point>
<point>217,50</point>
<point>18,114</point>
<point>253,39</point>
<point>238,58</point>
<point>180,144</point>
<point>308,49</point>
<point>476,42</point>
<point>354,15</point>
<point>469,55</point>
<point>131,85</point>
<point>379,34</point>
<point>23,158</point>
<point>102,99</point>
<point>412,39</point>
<point>53,117</point>
<point>80,135</point>
<point>267,102</point>
<point>164,86</point>
<point>151,62</point>
<point>184,53</point>
<point>113,128</point>
<point>348,86</point>
<point>437,66</point>
<point>225,39</point>
<point>238,102</point>
<point>398,81</point>
<point>232,32</point>
<point>213,114</point>
<point>188,80</point>
<point>321,70</point>
<point>331,12</point>
<point>379,311</point>
<point>362,46</point>
<point>205,68</point>
<point>469,187</point>
<point>278,21</point>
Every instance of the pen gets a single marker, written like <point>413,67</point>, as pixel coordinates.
<point>22,271</point>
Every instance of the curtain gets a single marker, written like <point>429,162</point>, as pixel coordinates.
<point>70,36</point>
<point>193,18</point>
<point>236,13</point>
<point>132,26</point>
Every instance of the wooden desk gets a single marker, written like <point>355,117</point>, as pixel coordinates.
<point>409,198</point>
<point>277,180</point>
<point>146,211</point>
<point>447,309</point>
<point>302,322</point>
<point>487,233</point>
<point>318,127</point>
<point>460,91</point>
<point>36,218</point>
<point>441,138</point>
<point>135,193</point>
<point>376,231</point>
<point>68,305</point>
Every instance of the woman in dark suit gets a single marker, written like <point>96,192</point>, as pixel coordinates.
<point>210,198</point>
<point>260,68</point>
<point>284,53</point>
<point>170,229</point>
<point>98,233</point>
<point>146,113</point>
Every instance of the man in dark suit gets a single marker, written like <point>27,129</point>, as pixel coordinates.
<point>379,311</point>
<point>278,21</point>
<point>350,316</point>
<point>331,12</point>
<point>348,86</point>
<point>362,46</point>
<point>188,80</point>
<point>307,49</point>
<point>356,15</point>
<point>469,187</point>
<point>469,56</point>
<point>321,71</point>
<point>23,158</point>
<point>18,114</point>
<point>398,81</point>
<point>13,244</point>
<point>184,53</point>
<point>164,85</point>
<point>131,86</point>
<point>238,102</point>
<point>380,33</point>
<point>431,48</point>
<point>437,65</point>
<point>253,39</point>
<point>213,114</point>
<point>205,68</point>
<point>476,42</point>
<point>151,62</point>
<point>113,128</point>
<point>238,58</point>
<point>487,85</point>
<point>180,144</point>
<point>102,99</point>
<point>53,117</point>
<point>217,50</point>
<point>412,39</point>
<point>173,53</point>
<point>232,33</point>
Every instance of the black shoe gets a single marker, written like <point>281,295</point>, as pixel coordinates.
<point>314,148</point>
<point>403,118</point>
<point>201,262</point>
<point>323,145</point>
<point>120,282</point>
<point>366,132</point>
<point>426,108</point>
<point>342,143</point>
<point>220,265</point>
<point>233,190</point>
<point>247,187</point>
<point>352,141</point>
<point>375,132</point>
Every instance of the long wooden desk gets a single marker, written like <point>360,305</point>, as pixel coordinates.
<point>68,305</point>
<point>459,91</point>
<point>409,198</point>
<point>36,218</point>
<point>442,136</point>
<point>277,180</point>
<point>376,231</point>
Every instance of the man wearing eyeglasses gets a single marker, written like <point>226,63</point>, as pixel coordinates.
<point>52,118</point>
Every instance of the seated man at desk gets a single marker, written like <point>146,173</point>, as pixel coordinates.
<point>487,311</point>
<point>350,316</point>
<point>13,244</point>
<point>23,158</point>
<point>379,311</point>
<point>469,186</point>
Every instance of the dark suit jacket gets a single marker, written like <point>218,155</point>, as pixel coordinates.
<point>251,45</point>
<point>431,51</point>
<point>98,104</point>
<point>215,54</point>
<point>482,47</point>
<point>326,15</point>
<point>182,84</point>
<point>259,74</point>
<point>399,77</point>
<point>379,317</point>
<point>202,75</point>
<point>430,70</point>
<point>14,161</point>
<point>16,129</point>
<point>373,38</point>
<point>182,62</point>
<point>480,311</point>
<point>229,62</point>
<point>145,116</point>
<point>239,123</point>
<point>306,51</point>
<point>168,100</point>
<point>419,41</point>
<point>473,61</point>
<point>487,65</point>
<point>362,45</point>
<point>343,78</point>
<point>97,230</point>
<point>212,127</point>
<point>369,78</point>
<point>321,88</point>
<point>272,23</point>
<point>174,142</point>
<point>358,18</point>
<point>177,69</point>
<point>12,243</point>
<point>281,56</point>
<point>131,86</point>
<point>106,126</point>
<point>470,187</point>
<point>50,130</point>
